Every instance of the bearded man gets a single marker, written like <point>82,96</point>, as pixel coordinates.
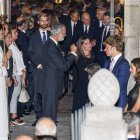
<point>36,44</point>
<point>54,67</point>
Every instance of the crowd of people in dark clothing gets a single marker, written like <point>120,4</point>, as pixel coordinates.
<point>81,31</point>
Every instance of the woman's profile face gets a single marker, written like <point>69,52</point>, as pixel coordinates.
<point>133,70</point>
<point>87,46</point>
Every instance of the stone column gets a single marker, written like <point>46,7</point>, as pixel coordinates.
<point>132,32</point>
<point>132,29</point>
<point>8,10</point>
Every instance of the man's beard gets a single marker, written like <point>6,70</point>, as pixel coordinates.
<point>61,38</point>
<point>44,26</point>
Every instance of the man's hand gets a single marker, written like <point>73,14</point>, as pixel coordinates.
<point>93,42</point>
<point>9,83</point>
<point>73,48</point>
<point>24,74</point>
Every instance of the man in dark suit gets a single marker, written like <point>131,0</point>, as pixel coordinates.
<point>71,25</point>
<point>22,40</point>
<point>54,67</point>
<point>36,44</point>
<point>103,34</point>
<point>118,65</point>
<point>133,125</point>
<point>85,28</point>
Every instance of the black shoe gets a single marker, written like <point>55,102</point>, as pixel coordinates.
<point>27,112</point>
<point>56,122</point>
<point>34,123</point>
<point>66,91</point>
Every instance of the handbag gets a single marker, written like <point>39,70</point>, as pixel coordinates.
<point>23,97</point>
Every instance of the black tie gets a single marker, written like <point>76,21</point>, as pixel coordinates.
<point>44,38</point>
<point>103,38</point>
<point>74,25</point>
<point>85,30</point>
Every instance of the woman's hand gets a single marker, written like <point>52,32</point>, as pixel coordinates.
<point>24,74</point>
<point>5,62</point>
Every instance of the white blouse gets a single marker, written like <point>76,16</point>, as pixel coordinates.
<point>3,71</point>
<point>18,64</point>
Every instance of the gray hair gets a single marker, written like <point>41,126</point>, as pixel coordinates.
<point>132,120</point>
<point>45,127</point>
<point>57,28</point>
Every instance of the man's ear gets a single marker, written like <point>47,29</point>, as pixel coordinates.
<point>114,48</point>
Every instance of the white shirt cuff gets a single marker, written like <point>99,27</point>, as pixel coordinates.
<point>39,66</point>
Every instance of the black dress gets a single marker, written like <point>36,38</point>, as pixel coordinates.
<point>132,97</point>
<point>80,97</point>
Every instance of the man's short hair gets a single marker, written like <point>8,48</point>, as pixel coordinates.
<point>42,15</point>
<point>115,41</point>
<point>57,28</point>
<point>45,127</point>
<point>93,68</point>
<point>23,137</point>
<point>132,120</point>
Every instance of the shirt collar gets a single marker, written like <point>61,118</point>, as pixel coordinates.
<point>23,31</point>
<point>73,22</point>
<point>100,23</point>
<point>131,136</point>
<point>42,30</point>
<point>54,40</point>
<point>117,57</point>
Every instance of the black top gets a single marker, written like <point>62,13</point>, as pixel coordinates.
<point>133,95</point>
<point>80,76</point>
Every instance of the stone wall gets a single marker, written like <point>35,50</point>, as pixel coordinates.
<point>132,32</point>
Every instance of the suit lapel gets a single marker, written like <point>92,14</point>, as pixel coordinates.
<point>39,38</point>
<point>117,63</point>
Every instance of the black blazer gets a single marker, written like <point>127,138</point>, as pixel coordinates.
<point>22,43</point>
<point>36,47</point>
<point>132,139</point>
<point>54,68</point>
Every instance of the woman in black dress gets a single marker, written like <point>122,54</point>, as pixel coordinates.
<point>85,58</point>
<point>134,94</point>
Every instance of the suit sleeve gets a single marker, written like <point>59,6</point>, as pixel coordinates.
<point>60,64</point>
<point>123,77</point>
<point>31,51</point>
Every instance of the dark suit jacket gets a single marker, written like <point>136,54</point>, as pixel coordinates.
<point>121,71</point>
<point>132,139</point>
<point>54,68</point>
<point>64,19</point>
<point>80,31</point>
<point>22,43</point>
<point>36,47</point>
<point>69,39</point>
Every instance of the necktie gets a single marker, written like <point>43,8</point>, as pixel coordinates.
<point>111,64</point>
<point>44,38</point>
<point>74,25</point>
<point>85,30</point>
<point>103,38</point>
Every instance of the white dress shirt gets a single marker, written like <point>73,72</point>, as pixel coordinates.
<point>41,33</point>
<point>87,28</point>
<point>72,26</point>
<point>116,59</point>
